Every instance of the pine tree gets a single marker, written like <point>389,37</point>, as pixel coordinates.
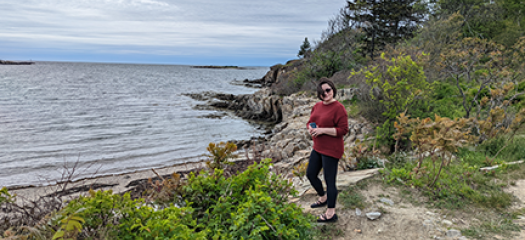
<point>305,48</point>
<point>384,21</point>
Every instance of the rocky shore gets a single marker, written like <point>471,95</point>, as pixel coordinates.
<point>287,141</point>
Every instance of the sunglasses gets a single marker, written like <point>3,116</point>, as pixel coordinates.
<point>326,91</point>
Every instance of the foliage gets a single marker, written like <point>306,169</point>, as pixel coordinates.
<point>437,139</point>
<point>444,102</point>
<point>305,48</point>
<point>70,227</point>
<point>360,156</point>
<point>5,196</point>
<point>336,52</point>
<point>101,212</point>
<point>513,152</point>
<point>437,143</point>
<point>168,223</point>
<point>498,20</point>
<point>252,204</point>
<point>164,191</point>
<point>383,22</point>
<point>398,83</point>
<point>219,154</point>
<point>299,170</point>
<point>351,198</point>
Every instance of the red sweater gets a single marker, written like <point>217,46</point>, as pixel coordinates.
<point>332,115</point>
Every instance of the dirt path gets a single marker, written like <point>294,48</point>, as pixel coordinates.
<point>400,218</point>
<point>518,190</point>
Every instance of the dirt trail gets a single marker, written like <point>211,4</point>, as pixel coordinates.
<point>402,220</point>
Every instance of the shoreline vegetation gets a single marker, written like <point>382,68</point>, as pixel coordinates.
<point>4,62</point>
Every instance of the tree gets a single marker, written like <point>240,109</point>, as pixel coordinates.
<point>384,21</point>
<point>305,48</point>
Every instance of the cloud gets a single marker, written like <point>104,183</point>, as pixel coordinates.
<point>273,28</point>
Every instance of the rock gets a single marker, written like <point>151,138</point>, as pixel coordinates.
<point>345,94</point>
<point>345,179</point>
<point>446,222</point>
<point>387,201</point>
<point>428,225</point>
<point>373,215</point>
<point>453,233</point>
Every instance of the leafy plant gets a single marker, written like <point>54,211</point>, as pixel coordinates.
<point>165,190</point>
<point>251,205</point>
<point>434,140</point>
<point>299,170</point>
<point>360,156</point>
<point>70,227</point>
<point>219,154</point>
<point>5,196</point>
<point>397,84</point>
<point>100,211</point>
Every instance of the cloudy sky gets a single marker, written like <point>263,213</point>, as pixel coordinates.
<point>192,32</point>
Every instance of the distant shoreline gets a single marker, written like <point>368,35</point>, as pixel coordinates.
<point>219,67</point>
<point>2,62</point>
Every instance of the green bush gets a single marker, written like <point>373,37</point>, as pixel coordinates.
<point>168,223</point>
<point>513,152</point>
<point>251,205</point>
<point>101,211</point>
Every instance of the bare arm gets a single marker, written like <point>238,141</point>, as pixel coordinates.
<point>319,131</point>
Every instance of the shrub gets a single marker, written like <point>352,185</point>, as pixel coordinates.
<point>101,212</point>
<point>399,84</point>
<point>252,204</point>
<point>219,154</point>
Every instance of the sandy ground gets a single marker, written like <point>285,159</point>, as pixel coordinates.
<point>117,183</point>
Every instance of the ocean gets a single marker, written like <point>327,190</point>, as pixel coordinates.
<point>109,118</point>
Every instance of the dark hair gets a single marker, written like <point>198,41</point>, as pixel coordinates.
<point>320,91</point>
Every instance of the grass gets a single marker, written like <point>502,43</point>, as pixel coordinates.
<point>327,231</point>
<point>488,227</point>
<point>351,198</point>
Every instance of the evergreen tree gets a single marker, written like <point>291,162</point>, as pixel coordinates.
<point>384,21</point>
<point>305,48</point>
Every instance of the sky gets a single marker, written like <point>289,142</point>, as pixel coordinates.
<point>191,32</point>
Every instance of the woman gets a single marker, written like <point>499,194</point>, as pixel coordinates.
<point>331,124</point>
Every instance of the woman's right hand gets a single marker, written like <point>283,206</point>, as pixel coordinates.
<point>312,131</point>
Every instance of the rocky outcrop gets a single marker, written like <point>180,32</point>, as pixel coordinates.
<point>281,73</point>
<point>260,106</point>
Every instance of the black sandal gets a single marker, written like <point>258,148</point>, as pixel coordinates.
<point>324,219</point>
<point>319,204</point>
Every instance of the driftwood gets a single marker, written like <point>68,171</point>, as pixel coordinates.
<point>497,166</point>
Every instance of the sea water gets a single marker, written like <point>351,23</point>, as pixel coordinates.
<point>109,118</point>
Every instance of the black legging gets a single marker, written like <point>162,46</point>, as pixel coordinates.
<point>329,166</point>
